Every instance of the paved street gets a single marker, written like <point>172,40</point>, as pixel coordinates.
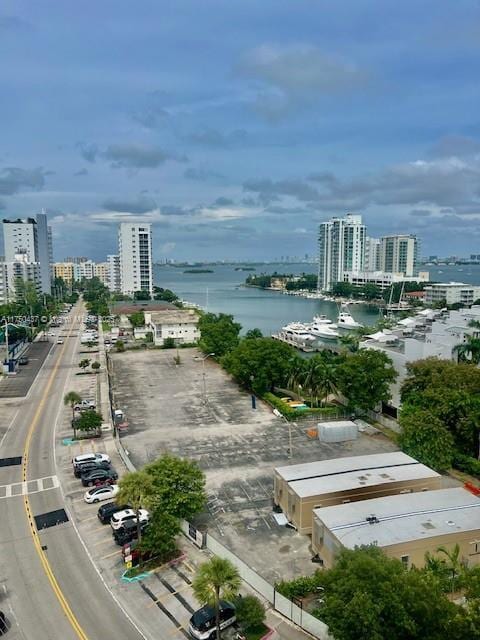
<point>18,386</point>
<point>49,588</point>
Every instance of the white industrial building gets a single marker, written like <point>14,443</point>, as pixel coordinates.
<point>451,293</point>
<point>181,326</point>
<point>135,257</point>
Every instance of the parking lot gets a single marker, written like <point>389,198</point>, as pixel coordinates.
<point>236,446</point>
<point>18,385</point>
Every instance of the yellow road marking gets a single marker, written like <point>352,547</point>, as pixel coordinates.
<point>31,522</point>
<point>185,564</point>
<point>109,555</point>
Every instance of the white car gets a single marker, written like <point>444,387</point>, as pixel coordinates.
<point>59,341</point>
<point>119,518</point>
<point>97,494</point>
<point>91,457</point>
<point>84,405</point>
<point>52,334</point>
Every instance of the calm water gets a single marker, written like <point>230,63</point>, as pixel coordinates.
<point>221,291</point>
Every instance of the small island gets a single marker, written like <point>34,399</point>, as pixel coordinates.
<point>198,271</point>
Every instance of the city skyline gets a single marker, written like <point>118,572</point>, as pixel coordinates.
<point>239,145</point>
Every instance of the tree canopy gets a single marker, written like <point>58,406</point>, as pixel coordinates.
<point>425,438</point>
<point>220,333</point>
<point>260,363</point>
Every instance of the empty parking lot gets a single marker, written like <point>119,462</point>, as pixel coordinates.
<point>237,447</point>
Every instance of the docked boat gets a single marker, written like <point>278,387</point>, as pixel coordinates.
<point>297,332</point>
<point>324,331</point>
<point>321,320</point>
<point>346,321</point>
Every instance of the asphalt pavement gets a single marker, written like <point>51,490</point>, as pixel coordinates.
<point>18,385</point>
<point>49,588</point>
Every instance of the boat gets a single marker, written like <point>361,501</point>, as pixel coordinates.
<point>321,320</point>
<point>297,332</point>
<point>346,321</point>
<point>324,331</point>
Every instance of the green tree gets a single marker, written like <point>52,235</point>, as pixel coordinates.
<point>84,363</point>
<point>453,563</point>
<point>179,485</point>
<point>267,361</point>
<point>88,421</point>
<point>137,319</point>
<point>425,437</point>
<point>168,343</point>
<point>253,333</point>
<point>319,378</point>
<point>137,490</point>
<point>368,596</point>
<point>96,366</point>
<point>141,295</point>
<point>469,351</point>
<point>250,613</point>
<point>164,294</point>
<point>160,536</point>
<point>215,580</point>
<point>219,333</point>
<point>71,399</point>
<point>364,378</point>
<point>343,289</point>
<point>371,291</point>
<point>120,346</point>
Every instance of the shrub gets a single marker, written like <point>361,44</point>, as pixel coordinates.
<point>250,612</point>
<point>169,343</point>
<point>299,587</point>
<point>280,405</point>
<point>467,464</point>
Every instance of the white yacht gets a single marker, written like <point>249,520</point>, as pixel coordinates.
<point>323,330</point>
<point>321,320</point>
<point>297,332</point>
<point>346,321</point>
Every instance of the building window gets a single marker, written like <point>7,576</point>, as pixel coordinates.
<point>405,561</point>
<point>474,548</point>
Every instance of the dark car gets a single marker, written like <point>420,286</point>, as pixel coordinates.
<point>99,476</point>
<point>4,625</point>
<point>87,467</point>
<point>203,622</point>
<point>23,360</point>
<point>128,532</point>
<point>106,511</point>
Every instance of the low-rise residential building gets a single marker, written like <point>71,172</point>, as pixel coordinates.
<point>65,270</point>
<point>403,527</point>
<point>302,488</point>
<point>428,334</point>
<point>101,271</point>
<point>382,279</point>
<point>181,326</point>
<point>451,293</point>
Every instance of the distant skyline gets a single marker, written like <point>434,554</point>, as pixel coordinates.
<point>236,127</point>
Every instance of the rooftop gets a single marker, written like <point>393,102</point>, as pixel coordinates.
<point>174,317</point>
<point>338,483</point>
<point>336,466</point>
<point>443,285</point>
<point>400,519</point>
<point>131,306</point>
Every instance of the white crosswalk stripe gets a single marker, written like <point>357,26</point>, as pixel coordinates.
<point>17,489</point>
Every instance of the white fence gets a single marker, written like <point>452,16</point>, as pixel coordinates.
<point>283,605</point>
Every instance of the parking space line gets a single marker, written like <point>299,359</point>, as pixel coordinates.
<point>167,595</point>
<point>96,544</point>
<point>110,555</point>
<point>89,518</point>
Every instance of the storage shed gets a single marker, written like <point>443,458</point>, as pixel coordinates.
<point>340,431</point>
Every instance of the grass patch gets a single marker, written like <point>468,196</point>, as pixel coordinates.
<point>298,414</point>
<point>106,326</point>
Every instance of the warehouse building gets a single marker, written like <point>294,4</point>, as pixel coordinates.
<point>301,488</point>
<point>403,527</point>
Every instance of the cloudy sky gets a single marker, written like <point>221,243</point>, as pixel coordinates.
<point>235,127</point>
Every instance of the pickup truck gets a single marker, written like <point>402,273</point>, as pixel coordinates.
<point>85,405</point>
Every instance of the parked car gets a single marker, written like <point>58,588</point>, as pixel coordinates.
<point>85,405</point>
<point>60,341</point>
<point>119,518</point>
<point>81,469</point>
<point>23,360</point>
<point>102,492</point>
<point>90,457</point>
<point>106,511</point>
<point>99,476</point>
<point>202,623</point>
<point>4,624</point>
<point>128,532</point>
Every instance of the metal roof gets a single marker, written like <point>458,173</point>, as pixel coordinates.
<point>335,466</point>
<point>402,518</point>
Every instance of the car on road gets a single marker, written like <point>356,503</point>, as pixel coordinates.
<point>23,360</point>
<point>99,476</point>
<point>120,518</point>
<point>85,405</point>
<point>52,334</point>
<point>203,625</point>
<point>81,469</point>
<point>102,492</point>
<point>128,533</point>
<point>106,511</point>
<point>60,341</point>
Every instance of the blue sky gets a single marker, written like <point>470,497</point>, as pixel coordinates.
<point>235,127</point>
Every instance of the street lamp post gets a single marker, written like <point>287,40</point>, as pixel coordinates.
<point>205,400</point>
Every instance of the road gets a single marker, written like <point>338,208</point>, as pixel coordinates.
<point>48,586</point>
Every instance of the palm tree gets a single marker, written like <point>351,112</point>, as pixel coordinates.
<point>215,580</point>
<point>72,398</point>
<point>136,489</point>
<point>452,562</point>
<point>468,351</point>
